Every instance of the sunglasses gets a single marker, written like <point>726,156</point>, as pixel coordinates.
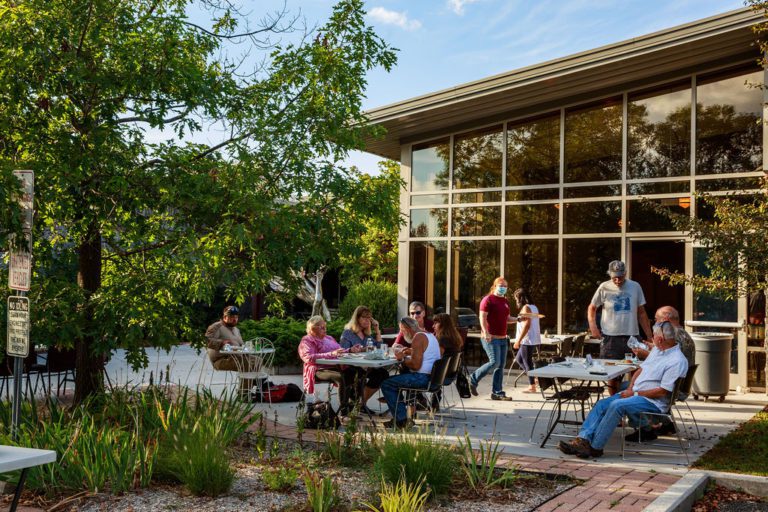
<point>417,313</point>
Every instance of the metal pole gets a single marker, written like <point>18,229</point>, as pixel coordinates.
<point>18,369</point>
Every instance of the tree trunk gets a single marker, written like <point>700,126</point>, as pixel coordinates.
<point>765,336</point>
<point>89,367</point>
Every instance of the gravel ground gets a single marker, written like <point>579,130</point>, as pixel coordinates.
<point>250,493</point>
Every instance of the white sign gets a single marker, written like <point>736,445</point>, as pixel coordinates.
<point>18,326</point>
<point>20,264</point>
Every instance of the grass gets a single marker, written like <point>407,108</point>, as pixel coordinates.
<point>744,450</point>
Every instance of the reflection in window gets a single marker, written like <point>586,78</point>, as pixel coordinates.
<point>659,139</point>
<point>477,197</point>
<point>593,143</point>
<point>429,222</point>
<point>532,264</point>
<point>592,191</point>
<point>533,194</point>
<point>643,215</point>
<point>477,221</point>
<point>533,152</point>
<point>729,124</point>
<point>585,261</point>
<point>477,159</point>
<point>428,264</point>
<point>428,199</point>
<point>728,184</point>
<point>658,187</point>
<point>592,217</point>
<point>532,219</point>
<point>475,265</point>
<point>429,169</point>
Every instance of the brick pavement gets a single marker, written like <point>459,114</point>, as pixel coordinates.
<point>604,487</point>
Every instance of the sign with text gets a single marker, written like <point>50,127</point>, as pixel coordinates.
<point>18,326</point>
<point>20,263</point>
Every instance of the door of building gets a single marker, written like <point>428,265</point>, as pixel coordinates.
<point>669,254</point>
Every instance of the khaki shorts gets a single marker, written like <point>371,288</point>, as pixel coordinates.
<point>614,347</point>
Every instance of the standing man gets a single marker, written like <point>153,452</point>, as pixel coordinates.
<point>623,304</point>
<point>220,334</point>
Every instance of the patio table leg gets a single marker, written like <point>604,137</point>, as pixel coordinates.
<point>19,488</point>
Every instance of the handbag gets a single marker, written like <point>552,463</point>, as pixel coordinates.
<point>320,415</point>
<point>462,383</point>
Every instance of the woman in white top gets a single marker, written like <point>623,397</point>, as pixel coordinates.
<point>528,335</point>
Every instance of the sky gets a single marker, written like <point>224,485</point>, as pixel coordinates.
<point>444,43</point>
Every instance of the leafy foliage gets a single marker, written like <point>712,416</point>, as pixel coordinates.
<point>129,233</point>
<point>401,496</point>
<point>280,479</point>
<point>380,297</point>
<point>480,466</point>
<point>322,492</point>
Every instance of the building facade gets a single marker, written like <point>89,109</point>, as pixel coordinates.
<point>545,174</point>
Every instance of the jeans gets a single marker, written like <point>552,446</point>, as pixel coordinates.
<point>497,359</point>
<point>606,414</point>
<point>390,388</point>
<point>524,358</point>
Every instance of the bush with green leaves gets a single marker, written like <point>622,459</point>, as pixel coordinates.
<point>379,297</point>
<point>279,479</point>
<point>285,333</point>
<point>417,458</point>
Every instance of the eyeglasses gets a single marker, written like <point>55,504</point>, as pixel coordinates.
<point>416,313</point>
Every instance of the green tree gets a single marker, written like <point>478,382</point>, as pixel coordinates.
<point>129,232</point>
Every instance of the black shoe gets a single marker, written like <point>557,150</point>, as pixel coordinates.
<point>501,396</point>
<point>366,410</point>
<point>400,425</point>
<point>473,388</point>
<point>643,434</point>
<point>666,429</point>
<point>571,447</point>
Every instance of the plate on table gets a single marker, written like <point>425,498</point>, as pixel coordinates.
<point>351,356</point>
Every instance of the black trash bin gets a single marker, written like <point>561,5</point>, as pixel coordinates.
<point>713,355</point>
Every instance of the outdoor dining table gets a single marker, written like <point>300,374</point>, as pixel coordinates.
<point>13,458</point>
<point>574,369</point>
<point>249,362</point>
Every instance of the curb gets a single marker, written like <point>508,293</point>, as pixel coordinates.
<point>680,496</point>
<point>752,484</point>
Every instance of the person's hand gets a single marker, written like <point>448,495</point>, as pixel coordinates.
<point>627,393</point>
<point>516,346</point>
<point>226,342</point>
<point>595,332</point>
<point>374,324</point>
<point>338,352</point>
<point>356,348</point>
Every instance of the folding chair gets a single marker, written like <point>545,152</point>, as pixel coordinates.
<point>562,400</point>
<point>685,389</point>
<point>409,396</point>
<point>669,415</point>
<point>453,370</point>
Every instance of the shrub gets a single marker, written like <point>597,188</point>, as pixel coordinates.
<point>401,496</point>
<point>322,492</point>
<point>380,297</point>
<point>280,479</point>
<point>417,458</point>
<point>480,467</point>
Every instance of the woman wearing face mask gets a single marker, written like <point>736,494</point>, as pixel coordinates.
<point>494,317</point>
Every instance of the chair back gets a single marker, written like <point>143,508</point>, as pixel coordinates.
<point>439,371</point>
<point>566,347</point>
<point>578,345</point>
<point>685,387</point>
<point>673,398</point>
<point>453,369</point>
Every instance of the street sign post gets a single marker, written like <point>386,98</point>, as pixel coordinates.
<point>18,326</point>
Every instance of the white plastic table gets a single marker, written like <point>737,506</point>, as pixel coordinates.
<point>13,458</point>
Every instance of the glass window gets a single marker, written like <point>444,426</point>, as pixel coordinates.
<point>659,138</point>
<point>658,187</point>
<point>533,194</point>
<point>728,184</point>
<point>593,191</point>
<point>429,170</point>
<point>532,264</point>
<point>428,264</point>
<point>477,159</point>
<point>533,152</point>
<point>475,264</point>
<point>477,221</point>
<point>532,219</point>
<point>428,222</point>
<point>643,216</point>
<point>729,126</point>
<point>592,217</point>
<point>593,143</point>
<point>477,197</point>
<point>428,199</point>
<point>584,264</point>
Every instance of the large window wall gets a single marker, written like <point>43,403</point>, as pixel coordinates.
<point>547,201</point>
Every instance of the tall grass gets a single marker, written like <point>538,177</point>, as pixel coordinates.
<point>401,496</point>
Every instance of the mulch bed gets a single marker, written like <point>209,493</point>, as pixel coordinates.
<point>721,499</point>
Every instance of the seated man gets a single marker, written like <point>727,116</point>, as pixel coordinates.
<point>220,334</point>
<point>419,359</point>
<point>648,391</point>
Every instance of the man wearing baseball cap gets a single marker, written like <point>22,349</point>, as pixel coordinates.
<point>622,303</point>
<point>220,334</point>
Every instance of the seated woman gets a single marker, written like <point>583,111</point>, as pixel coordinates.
<point>318,345</point>
<point>447,335</point>
<point>357,333</point>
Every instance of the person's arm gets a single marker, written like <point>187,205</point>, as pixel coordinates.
<point>308,351</point>
<point>629,391</point>
<point>375,327</point>
<point>526,327</point>
<point>418,346</point>
<point>485,332</point>
<point>592,319</point>
<point>645,324</point>
<point>213,335</point>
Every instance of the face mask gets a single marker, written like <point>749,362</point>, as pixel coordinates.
<point>501,290</point>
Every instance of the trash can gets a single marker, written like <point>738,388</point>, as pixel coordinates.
<point>713,355</point>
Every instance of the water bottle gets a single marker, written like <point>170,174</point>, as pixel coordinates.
<point>370,346</point>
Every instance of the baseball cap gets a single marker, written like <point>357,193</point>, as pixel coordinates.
<point>231,311</point>
<point>616,268</point>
